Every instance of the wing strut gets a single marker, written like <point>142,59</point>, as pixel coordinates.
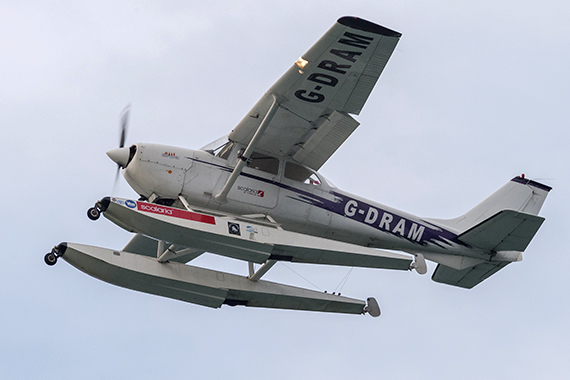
<point>261,271</point>
<point>221,197</point>
<point>185,203</point>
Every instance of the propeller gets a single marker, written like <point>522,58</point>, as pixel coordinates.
<point>120,155</point>
<point>124,124</point>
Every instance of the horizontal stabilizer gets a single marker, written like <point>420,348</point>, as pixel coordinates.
<point>507,230</point>
<point>469,277</point>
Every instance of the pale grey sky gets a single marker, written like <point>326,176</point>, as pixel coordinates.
<point>475,94</point>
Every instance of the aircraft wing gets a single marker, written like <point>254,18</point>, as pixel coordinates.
<point>331,80</point>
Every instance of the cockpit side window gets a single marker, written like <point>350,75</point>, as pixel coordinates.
<point>300,174</point>
<point>263,162</point>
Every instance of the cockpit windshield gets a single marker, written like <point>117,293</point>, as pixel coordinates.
<point>216,145</point>
<point>225,150</point>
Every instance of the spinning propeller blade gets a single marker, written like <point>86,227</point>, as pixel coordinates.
<point>124,124</point>
<point>116,154</point>
<point>116,177</point>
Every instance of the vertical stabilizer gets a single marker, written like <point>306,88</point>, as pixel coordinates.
<point>519,194</point>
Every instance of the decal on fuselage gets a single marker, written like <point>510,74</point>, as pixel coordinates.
<point>384,221</point>
<point>332,70</point>
<point>370,215</point>
<point>251,229</point>
<point>170,155</point>
<point>249,191</point>
<point>175,212</point>
<point>233,228</point>
<point>118,201</point>
<point>420,233</point>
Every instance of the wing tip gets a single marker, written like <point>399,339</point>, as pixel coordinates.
<point>367,26</point>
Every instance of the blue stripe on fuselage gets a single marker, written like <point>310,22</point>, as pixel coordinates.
<point>362,212</point>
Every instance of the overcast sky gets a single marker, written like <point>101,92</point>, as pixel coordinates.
<point>476,93</point>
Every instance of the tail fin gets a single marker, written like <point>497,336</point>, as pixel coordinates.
<point>504,223</point>
<point>519,194</point>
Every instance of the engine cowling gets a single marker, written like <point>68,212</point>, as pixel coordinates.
<point>154,169</point>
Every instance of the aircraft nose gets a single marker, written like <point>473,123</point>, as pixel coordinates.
<point>119,155</point>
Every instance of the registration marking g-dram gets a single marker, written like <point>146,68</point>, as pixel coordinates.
<point>344,54</point>
<point>384,220</point>
<point>175,212</point>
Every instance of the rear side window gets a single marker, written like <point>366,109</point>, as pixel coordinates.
<point>300,174</point>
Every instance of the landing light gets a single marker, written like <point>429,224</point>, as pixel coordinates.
<point>301,63</point>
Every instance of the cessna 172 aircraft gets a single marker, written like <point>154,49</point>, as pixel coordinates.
<point>256,196</point>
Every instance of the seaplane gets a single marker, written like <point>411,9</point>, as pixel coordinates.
<point>256,195</point>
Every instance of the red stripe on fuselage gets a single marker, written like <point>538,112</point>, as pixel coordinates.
<point>175,212</point>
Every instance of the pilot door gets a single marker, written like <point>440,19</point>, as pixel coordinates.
<point>256,183</point>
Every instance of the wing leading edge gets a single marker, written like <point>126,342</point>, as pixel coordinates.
<point>316,95</point>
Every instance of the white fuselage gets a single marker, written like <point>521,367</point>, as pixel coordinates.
<point>298,198</point>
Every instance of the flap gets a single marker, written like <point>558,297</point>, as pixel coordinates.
<point>326,140</point>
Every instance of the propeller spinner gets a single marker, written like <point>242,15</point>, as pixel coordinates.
<point>120,156</point>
